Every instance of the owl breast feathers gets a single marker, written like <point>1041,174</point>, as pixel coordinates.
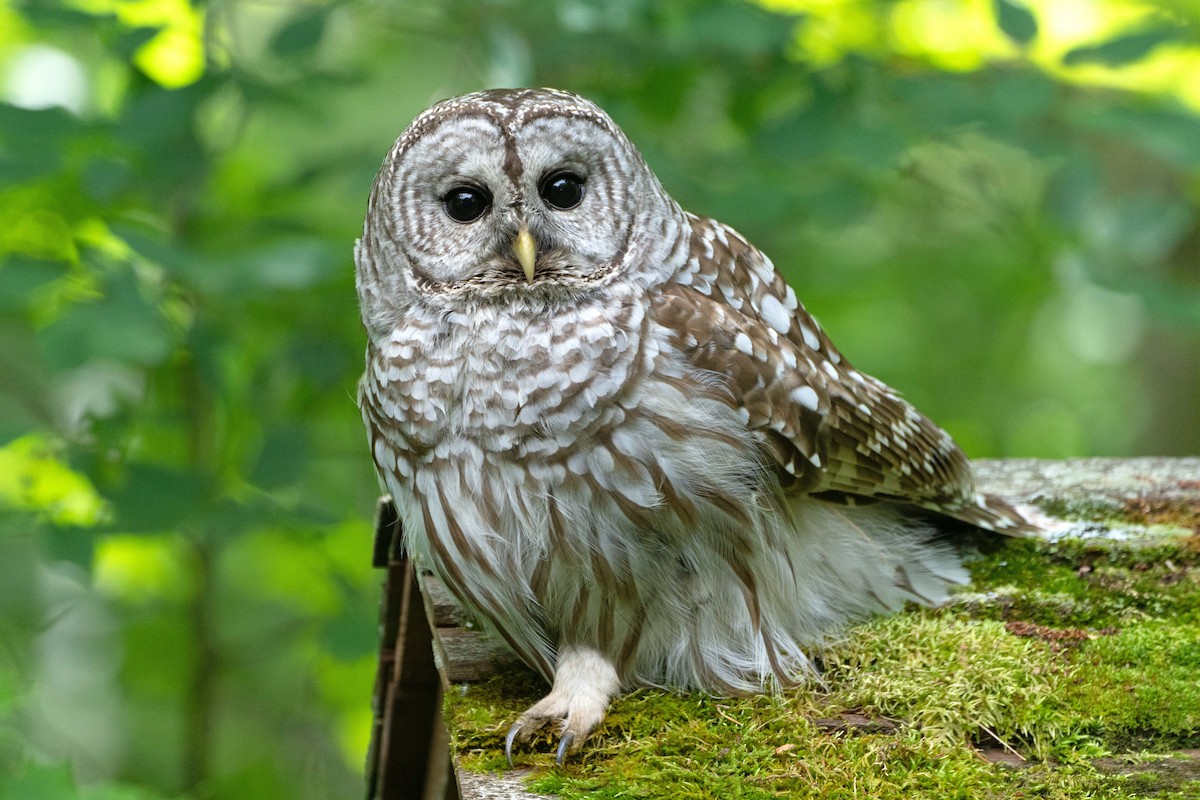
<point>612,429</point>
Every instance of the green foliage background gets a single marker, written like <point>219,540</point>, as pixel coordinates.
<point>186,603</point>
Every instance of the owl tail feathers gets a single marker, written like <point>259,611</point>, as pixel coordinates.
<point>873,559</point>
<point>806,571</point>
<point>993,514</point>
<point>910,564</point>
<point>821,567</point>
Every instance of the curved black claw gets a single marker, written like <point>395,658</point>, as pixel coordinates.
<point>508,741</point>
<point>564,744</point>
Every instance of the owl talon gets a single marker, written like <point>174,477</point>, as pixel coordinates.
<point>508,741</point>
<point>584,682</point>
<point>522,731</point>
<point>518,733</point>
<point>564,747</point>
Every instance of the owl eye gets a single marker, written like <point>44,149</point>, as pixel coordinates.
<point>467,203</point>
<point>561,189</point>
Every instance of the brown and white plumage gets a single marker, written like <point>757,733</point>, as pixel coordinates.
<point>612,429</point>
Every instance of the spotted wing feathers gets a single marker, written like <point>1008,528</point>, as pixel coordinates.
<point>836,433</point>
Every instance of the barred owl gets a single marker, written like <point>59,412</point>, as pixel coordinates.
<point>612,429</point>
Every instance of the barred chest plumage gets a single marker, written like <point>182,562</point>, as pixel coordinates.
<point>532,455</point>
<point>505,382</point>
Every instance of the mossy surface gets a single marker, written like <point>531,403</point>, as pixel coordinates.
<point>1070,669</point>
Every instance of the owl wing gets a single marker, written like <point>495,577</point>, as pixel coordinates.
<point>836,433</point>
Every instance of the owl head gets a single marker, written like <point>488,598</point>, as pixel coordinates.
<point>523,196</point>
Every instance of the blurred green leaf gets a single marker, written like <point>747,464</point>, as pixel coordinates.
<point>320,360</point>
<point>1164,132</point>
<point>118,792</point>
<point>293,264</point>
<point>54,782</point>
<point>1018,98</point>
<point>39,782</point>
<point>1172,303</point>
<point>157,128</point>
<point>129,41</point>
<point>20,276</point>
<point>157,119</point>
<point>105,179</point>
<point>739,29</point>
<point>160,652</point>
<point>352,634</point>
<point>71,545</point>
<point>19,603</point>
<point>282,459</point>
<point>52,16</point>
<point>1016,20</point>
<point>150,497</point>
<point>302,33</point>
<point>123,325</point>
<point>1124,49</point>
<point>25,403</point>
<point>32,141</point>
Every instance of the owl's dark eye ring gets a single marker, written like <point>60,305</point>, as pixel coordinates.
<point>467,203</point>
<point>561,189</point>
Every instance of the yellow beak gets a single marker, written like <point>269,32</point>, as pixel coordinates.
<point>526,251</point>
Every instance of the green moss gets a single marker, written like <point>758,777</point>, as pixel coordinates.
<point>1063,652</point>
<point>1088,582</point>
<point>479,714</point>
<point>1141,686</point>
<point>958,679</point>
